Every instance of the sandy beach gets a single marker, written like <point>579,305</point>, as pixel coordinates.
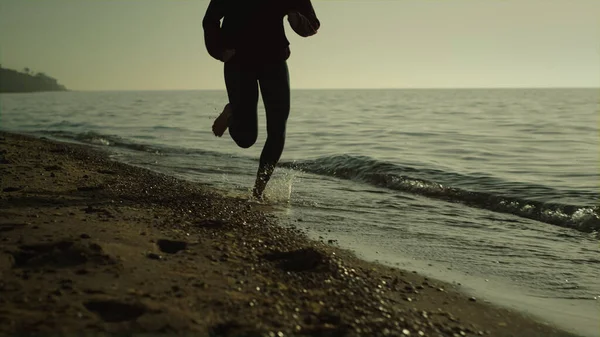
<point>93,245</point>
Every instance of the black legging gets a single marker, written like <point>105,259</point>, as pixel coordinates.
<point>242,83</point>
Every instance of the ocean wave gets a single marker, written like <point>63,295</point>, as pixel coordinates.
<point>443,185</point>
<point>490,193</point>
<point>94,138</point>
<point>99,139</point>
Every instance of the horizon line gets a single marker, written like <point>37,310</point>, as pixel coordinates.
<point>383,88</point>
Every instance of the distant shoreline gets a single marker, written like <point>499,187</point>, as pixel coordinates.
<point>27,81</point>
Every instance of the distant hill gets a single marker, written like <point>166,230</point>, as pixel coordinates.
<point>27,81</point>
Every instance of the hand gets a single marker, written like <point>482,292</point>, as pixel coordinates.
<point>227,55</point>
<point>293,17</point>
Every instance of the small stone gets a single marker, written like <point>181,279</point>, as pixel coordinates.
<point>405,332</point>
<point>154,256</point>
<point>85,236</point>
<point>472,299</point>
<point>66,286</point>
<point>171,246</point>
<point>12,189</point>
<point>201,285</point>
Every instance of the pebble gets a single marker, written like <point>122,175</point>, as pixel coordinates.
<point>154,256</point>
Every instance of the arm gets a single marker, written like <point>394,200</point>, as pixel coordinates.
<point>211,23</point>
<point>303,19</point>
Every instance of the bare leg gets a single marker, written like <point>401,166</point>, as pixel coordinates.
<point>222,122</point>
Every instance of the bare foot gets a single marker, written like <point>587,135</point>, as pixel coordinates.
<point>257,197</point>
<point>257,191</point>
<point>262,178</point>
<point>222,122</point>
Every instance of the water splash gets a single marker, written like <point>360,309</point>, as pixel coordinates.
<point>279,189</point>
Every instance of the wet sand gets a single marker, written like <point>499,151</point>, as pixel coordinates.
<point>92,245</point>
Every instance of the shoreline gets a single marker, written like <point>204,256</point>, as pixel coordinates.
<point>90,244</point>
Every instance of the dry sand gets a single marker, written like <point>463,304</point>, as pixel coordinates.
<point>90,245</point>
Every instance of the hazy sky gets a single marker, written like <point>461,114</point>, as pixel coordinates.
<point>158,44</point>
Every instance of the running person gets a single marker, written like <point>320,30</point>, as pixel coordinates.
<point>252,44</point>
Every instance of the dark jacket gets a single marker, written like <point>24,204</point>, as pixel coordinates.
<point>254,28</point>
